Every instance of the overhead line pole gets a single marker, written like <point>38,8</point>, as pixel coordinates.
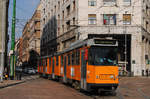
<point>12,59</point>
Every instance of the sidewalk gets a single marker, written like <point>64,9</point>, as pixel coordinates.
<point>7,83</point>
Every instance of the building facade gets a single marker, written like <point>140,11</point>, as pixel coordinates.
<point>18,51</point>
<point>66,21</point>
<point>25,42</point>
<point>35,31</point>
<point>3,34</point>
<point>31,39</point>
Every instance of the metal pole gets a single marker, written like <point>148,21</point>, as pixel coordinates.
<point>2,59</point>
<point>125,44</point>
<point>12,64</point>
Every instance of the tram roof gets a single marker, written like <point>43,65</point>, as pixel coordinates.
<point>80,43</point>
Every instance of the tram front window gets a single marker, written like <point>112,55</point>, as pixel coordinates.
<point>106,56</point>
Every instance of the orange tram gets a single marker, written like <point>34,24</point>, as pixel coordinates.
<point>88,65</point>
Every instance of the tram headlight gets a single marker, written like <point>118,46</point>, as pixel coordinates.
<point>97,77</point>
<point>112,76</point>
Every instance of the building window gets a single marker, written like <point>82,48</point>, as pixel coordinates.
<point>147,10</point>
<point>109,2</point>
<point>92,2</point>
<point>63,15</point>
<point>58,31</point>
<point>63,30</point>
<point>147,25</point>
<point>74,21</point>
<point>68,25</point>
<point>127,2</point>
<point>127,19</point>
<point>74,5</point>
<point>58,5</point>
<point>44,11</point>
<point>68,10</point>
<point>44,21</point>
<point>92,18</point>
<point>55,9</point>
<point>109,19</point>
<point>58,20</point>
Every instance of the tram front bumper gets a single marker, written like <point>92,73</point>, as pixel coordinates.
<point>104,87</point>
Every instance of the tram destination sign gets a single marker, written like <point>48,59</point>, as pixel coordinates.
<point>105,42</point>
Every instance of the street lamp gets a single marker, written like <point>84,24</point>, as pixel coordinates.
<point>125,33</point>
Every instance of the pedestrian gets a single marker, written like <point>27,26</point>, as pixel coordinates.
<point>147,72</point>
<point>142,72</point>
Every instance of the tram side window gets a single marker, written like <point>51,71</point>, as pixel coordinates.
<point>62,60</point>
<point>46,62</point>
<point>42,62</point>
<point>49,61</point>
<point>53,61</point>
<point>78,57</point>
<point>39,62</point>
<point>57,60</point>
<point>68,59</point>
<point>73,58</point>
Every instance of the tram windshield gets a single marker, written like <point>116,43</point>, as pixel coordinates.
<point>106,56</point>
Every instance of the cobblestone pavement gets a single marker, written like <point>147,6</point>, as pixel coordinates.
<point>41,89</point>
<point>129,88</point>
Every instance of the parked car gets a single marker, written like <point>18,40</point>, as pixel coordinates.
<point>26,70</point>
<point>31,71</point>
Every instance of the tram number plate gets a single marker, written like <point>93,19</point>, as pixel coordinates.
<point>105,77</point>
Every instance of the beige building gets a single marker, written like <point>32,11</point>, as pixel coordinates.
<point>18,51</point>
<point>128,21</point>
<point>31,39</point>
<point>35,31</point>
<point>25,42</point>
<point>3,34</point>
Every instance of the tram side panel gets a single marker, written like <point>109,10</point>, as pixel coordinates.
<point>57,67</point>
<point>47,66</point>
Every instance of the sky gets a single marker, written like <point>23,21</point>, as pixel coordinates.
<point>24,11</point>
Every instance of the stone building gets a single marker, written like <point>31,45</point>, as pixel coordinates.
<point>3,34</point>
<point>66,21</point>
<point>31,39</point>
<point>18,51</point>
<point>35,31</point>
<point>25,42</point>
<point>34,40</point>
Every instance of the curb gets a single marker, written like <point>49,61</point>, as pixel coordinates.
<point>20,82</point>
<point>8,85</point>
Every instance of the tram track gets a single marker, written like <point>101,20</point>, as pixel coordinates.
<point>108,96</point>
<point>142,93</point>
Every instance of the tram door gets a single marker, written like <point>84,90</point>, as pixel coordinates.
<point>53,68</point>
<point>83,71</point>
<point>65,63</point>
